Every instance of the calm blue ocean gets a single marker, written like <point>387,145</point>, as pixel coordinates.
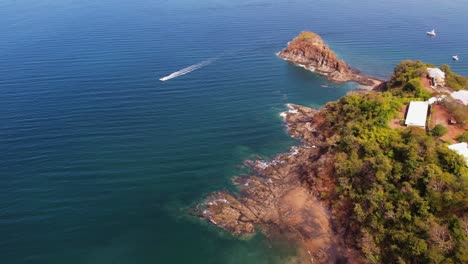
<point>100,160</point>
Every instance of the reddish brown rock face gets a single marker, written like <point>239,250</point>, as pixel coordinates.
<point>310,51</point>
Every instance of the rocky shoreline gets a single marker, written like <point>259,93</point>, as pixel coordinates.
<point>291,195</point>
<point>283,196</point>
<point>308,50</point>
<point>304,195</point>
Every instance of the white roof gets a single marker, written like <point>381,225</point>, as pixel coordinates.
<point>462,149</point>
<point>436,73</point>
<point>417,114</point>
<point>461,95</point>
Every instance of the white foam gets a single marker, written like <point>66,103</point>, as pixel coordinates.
<point>262,164</point>
<point>291,110</point>
<point>294,151</point>
<point>207,212</point>
<point>221,200</point>
<point>187,70</point>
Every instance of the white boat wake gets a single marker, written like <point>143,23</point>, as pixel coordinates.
<point>187,70</point>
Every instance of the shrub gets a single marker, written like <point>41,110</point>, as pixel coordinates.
<point>406,80</point>
<point>306,35</point>
<point>406,71</point>
<point>416,88</point>
<point>453,80</point>
<point>463,137</point>
<point>414,85</point>
<point>439,130</point>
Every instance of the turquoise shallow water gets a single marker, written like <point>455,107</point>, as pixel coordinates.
<point>101,160</point>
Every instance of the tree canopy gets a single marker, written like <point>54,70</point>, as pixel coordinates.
<point>453,80</point>
<point>402,192</point>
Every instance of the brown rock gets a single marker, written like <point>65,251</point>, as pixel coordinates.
<point>311,52</point>
<point>284,195</point>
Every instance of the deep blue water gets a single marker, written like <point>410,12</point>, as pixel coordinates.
<point>101,160</point>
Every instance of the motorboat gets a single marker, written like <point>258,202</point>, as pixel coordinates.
<point>431,33</point>
<point>455,58</point>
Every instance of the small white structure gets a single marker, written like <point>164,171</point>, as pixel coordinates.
<point>461,95</point>
<point>462,149</point>
<point>437,76</point>
<point>417,114</point>
<point>436,99</point>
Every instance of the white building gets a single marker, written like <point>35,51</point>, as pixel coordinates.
<point>417,114</point>
<point>437,76</point>
<point>462,149</point>
<point>461,95</point>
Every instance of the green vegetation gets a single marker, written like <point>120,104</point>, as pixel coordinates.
<point>306,35</point>
<point>406,80</point>
<point>463,137</point>
<point>415,87</point>
<point>453,80</point>
<point>400,194</point>
<point>408,70</point>
<point>439,130</point>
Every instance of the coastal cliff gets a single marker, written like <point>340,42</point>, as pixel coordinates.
<point>352,189</point>
<point>357,190</point>
<point>311,52</point>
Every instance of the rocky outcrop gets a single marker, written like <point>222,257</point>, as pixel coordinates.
<point>311,52</point>
<point>282,196</point>
<point>285,196</point>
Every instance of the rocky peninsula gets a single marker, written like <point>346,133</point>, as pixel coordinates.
<point>308,50</point>
<point>356,190</point>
